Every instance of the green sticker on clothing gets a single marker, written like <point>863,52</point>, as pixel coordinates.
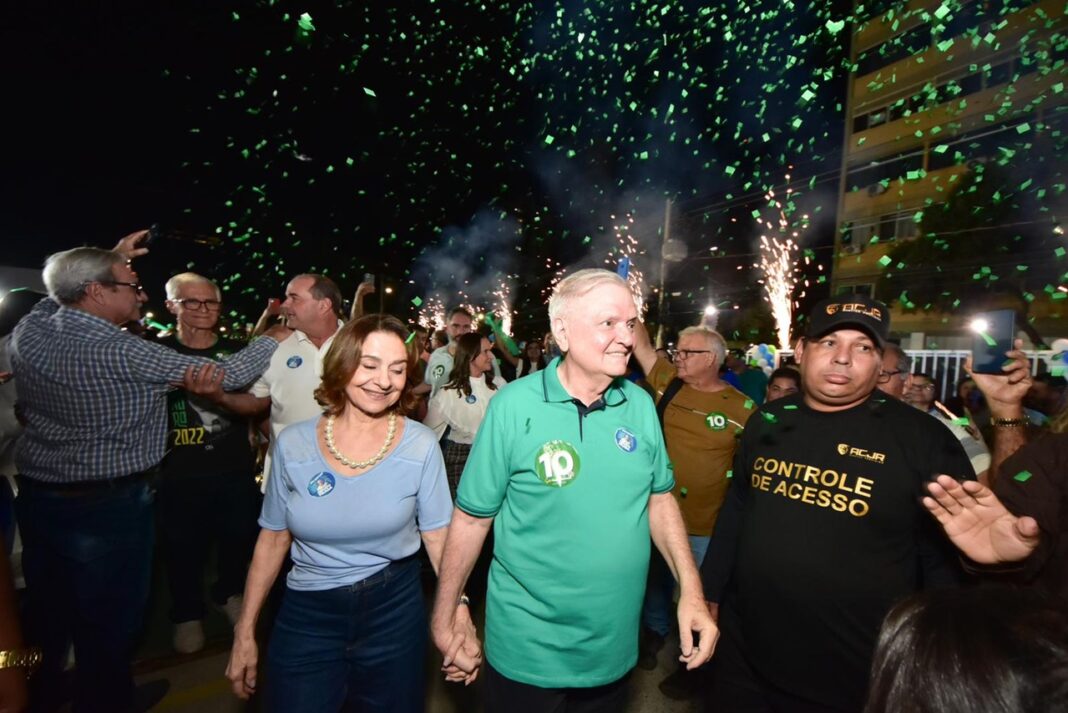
<point>557,463</point>
<point>1023,476</point>
<point>716,421</point>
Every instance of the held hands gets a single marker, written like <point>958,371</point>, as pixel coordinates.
<point>241,670</point>
<point>694,616</point>
<point>1005,392</point>
<point>459,645</point>
<point>977,522</point>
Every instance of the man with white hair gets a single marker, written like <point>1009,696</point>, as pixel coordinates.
<point>93,398</point>
<point>702,417</point>
<point>569,468</point>
<point>207,476</point>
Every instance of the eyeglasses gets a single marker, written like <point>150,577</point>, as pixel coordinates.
<point>923,387</point>
<point>135,286</point>
<point>684,354</point>
<point>884,376</point>
<point>209,305</point>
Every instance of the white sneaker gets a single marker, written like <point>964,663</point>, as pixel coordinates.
<point>232,608</point>
<point>189,637</point>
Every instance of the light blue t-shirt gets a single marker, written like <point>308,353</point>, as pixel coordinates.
<point>347,528</point>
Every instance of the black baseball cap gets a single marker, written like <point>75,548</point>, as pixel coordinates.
<point>852,310</point>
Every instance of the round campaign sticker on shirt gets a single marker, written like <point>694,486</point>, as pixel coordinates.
<point>294,361</point>
<point>557,464</point>
<point>439,371</point>
<point>470,399</point>
<point>716,421</point>
<point>322,484</point>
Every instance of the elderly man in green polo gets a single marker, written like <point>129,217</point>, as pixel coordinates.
<point>569,468</point>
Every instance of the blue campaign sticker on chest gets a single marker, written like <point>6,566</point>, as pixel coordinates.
<point>471,399</point>
<point>626,440</point>
<point>322,484</point>
<point>294,361</point>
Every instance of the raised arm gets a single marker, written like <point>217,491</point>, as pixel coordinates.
<point>1004,396</point>
<point>643,348</point>
<point>365,288</point>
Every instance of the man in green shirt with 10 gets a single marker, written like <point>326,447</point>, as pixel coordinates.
<point>569,468</point>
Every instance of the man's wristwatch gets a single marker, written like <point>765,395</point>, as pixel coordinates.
<point>28,659</point>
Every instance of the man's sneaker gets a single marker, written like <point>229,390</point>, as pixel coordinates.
<point>649,645</point>
<point>189,637</point>
<point>232,608</point>
<point>681,685</point>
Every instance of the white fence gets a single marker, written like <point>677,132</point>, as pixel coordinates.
<point>947,365</point>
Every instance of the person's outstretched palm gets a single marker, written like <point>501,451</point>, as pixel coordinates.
<point>977,522</point>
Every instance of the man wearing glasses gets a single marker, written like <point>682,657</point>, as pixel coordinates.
<point>93,398</point>
<point>921,392</point>
<point>702,417</point>
<point>207,476</point>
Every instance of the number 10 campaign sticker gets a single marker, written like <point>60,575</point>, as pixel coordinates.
<point>557,463</point>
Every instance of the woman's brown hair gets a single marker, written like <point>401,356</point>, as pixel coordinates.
<point>468,347</point>
<point>343,358</point>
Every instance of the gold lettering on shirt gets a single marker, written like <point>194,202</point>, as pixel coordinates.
<point>809,485</point>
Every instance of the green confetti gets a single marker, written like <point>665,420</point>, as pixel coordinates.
<point>417,301</point>
<point>1022,477</point>
<point>885,260</point>
<point>748,405</point>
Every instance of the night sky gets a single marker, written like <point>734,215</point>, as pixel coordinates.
<point>449,148</point>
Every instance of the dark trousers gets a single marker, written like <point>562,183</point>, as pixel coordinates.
<point>356,648</point>
<point>737,687</point>
<point>195,513</point>
<point>87,559</point>
<point>503,695</point>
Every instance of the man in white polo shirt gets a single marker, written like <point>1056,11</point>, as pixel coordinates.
<point>312,309</point>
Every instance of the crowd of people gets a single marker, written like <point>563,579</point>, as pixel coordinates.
<point>828,537</point>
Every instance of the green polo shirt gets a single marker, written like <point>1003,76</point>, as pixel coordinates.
<point>569,490</point>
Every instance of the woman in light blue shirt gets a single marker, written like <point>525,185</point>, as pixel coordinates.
<point>351,496</point>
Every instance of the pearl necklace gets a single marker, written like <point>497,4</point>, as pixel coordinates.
<point>357,464</point>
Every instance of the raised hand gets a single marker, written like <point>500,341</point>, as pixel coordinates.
<point>978,523</point>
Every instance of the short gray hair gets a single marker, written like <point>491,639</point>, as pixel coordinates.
<point>904,361</point>
<point>578,284</point>
<point>174,285</point>
<point>67,273</point>
<point>715,340</point>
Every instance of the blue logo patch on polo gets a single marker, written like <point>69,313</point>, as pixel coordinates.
<point>471,399</point>
<point>322,484</point>
<point>294,361</point>
<point>626,440</point>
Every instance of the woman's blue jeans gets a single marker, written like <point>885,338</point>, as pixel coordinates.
<point>355,648</point>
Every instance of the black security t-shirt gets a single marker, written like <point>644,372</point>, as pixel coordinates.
<point>202,438</point>
<point>829,531</point>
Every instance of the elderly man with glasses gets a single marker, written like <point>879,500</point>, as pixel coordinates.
<point>93,398</point>
<point>702,417</point>
<point>922,392</point>
<point>207,477</point>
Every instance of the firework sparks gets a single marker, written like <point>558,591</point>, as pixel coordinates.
<point>432,314</point>
<point>502,304</point>
<point>778,250</point>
